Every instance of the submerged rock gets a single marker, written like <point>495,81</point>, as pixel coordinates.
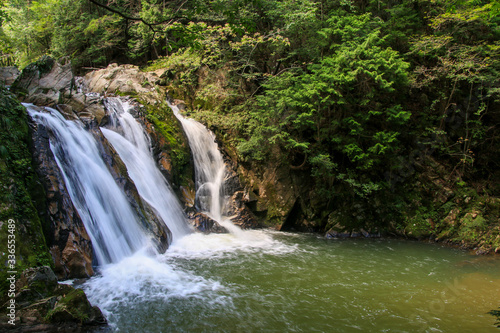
<point>337,232</point>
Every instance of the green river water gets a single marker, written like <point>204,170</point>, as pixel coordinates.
<point>265,281</point>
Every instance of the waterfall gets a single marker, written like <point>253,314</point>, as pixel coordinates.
<point>210,170</point>
<point>131,142</point>
<point>110,221</point>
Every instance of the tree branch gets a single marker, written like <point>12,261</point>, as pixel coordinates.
<point>139,19</point>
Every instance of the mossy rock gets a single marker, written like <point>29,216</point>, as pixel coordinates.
<point>41,280</point>
<point>170,139</point>
<point>74,307</point>
<point>38,68</point>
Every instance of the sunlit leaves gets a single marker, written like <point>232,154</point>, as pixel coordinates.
<point>29,27</point>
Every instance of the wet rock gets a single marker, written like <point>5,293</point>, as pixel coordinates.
<point>204,223</point>
<point>339,232</point>
<point>239,212</point>
<point>41,279</point>
<point>67,111</point>
<point>77,260</point>
<point>365,233</point>
<point>75,307</point>
<point>332,234</point>
<point>70,244</point>
<point>93,110</point>
<point>237,199</point>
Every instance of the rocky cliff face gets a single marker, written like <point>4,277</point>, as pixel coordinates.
<point>270,194</point>
<point>279,196</point>
<point>71,248</point>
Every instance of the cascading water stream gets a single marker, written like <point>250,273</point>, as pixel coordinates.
<point>132,144</point>
<point>210,170</point>
<point>111,223</point>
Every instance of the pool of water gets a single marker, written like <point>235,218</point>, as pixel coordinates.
<point>266,281</point>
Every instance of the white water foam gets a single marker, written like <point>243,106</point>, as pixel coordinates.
<point>145,279</point>
<point>141,279</point>
<point>201,246</point>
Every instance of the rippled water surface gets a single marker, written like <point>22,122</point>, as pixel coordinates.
<point>264,281</point>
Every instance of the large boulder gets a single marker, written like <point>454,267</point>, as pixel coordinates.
<point>44,82</point>
<point>125,80</point>
<point>8,75</point>
<point>50,82</point>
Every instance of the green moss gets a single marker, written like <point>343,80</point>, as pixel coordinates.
<point>157,64</point>
<point>74,304</point>
<point>132,94</point>
<point>21,192</point>
<point>468,220</point>
<point>471,228</point>
<point>175,143</point>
